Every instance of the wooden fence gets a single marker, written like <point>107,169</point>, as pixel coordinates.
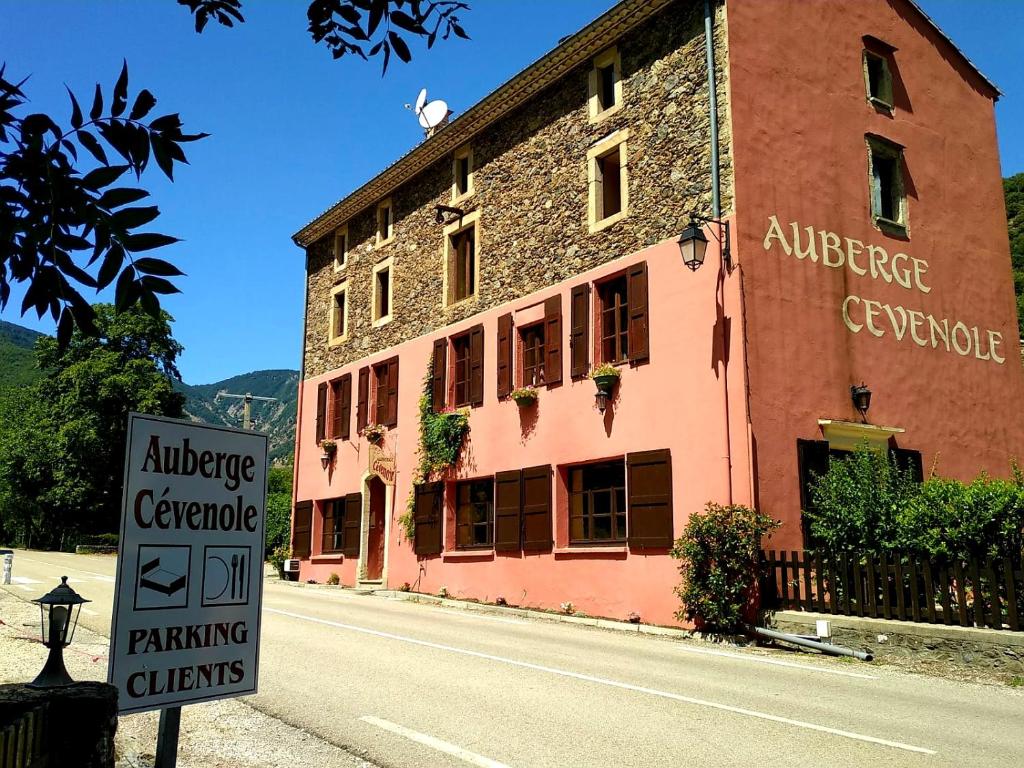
<point>983,593</point>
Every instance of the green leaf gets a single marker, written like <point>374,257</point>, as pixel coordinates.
<point>76,111</point>
<point>158,284</point>
<point>126,292</point>
<point>97,104</point>
<point>153,266</point>
<point>401,49</point>
<point>89,141</point>
<point>113,198</point>
<point>130,218</point>
<point>144,102</point>
<point>112,263</point>
<point>406,22</point>
<point>120,91</point>
<point>65,326</point>
<point>102,177</point>
<point>147,241</point>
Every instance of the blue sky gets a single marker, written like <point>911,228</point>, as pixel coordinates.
<point>293,131</point>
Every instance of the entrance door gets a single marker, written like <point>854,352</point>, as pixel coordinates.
<point>375,537</point>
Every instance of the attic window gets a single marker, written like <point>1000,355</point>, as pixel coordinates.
<point>462,174</point>
<point>605,85</point>
<point>385,222</point>
<point>878,79</point>
<point>888,197</point>
<point>340,248</point>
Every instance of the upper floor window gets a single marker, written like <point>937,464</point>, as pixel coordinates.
<point>385,392</point>
<point>605,85</point>
<point>338,330</point>
<point>462,258</point>
<point>385,222</point>
<point>888,196</point>
<point>608,181</point>
<point>461,369</point>
<point>531,339</point>
<point>613,314</point>
<point>878,79</point>
<point>466,373</point>
<point>462,173</point>
<point>474,513</point>
<point>341,248</point>
<point>383,290</point>
<point>340,407</point>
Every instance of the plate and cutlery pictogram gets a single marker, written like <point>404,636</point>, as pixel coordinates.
<point>226,575</point>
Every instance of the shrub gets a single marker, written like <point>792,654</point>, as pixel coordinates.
<point>719,552</point>
<point>277,558</point>
<point>279,520</point>
<point>100,540</point>
<point>334,580</point>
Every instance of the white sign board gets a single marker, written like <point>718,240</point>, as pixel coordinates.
<point>186,624</point>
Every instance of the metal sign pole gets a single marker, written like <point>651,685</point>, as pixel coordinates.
<point>167,738</point>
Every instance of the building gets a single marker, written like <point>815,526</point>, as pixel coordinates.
<point>856,175</point>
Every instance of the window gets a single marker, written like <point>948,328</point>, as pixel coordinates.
<point>531,339</point>
<point>460,372</point>
<point>338,330</point>
<point>461,258</point>
<point>467,367</point>
<point>385,222</point>
<point>340,248</point>
<point>341,407</point>
<point>614,320</point>
<point>605,85</point>
<point>385,403</point>
<point>341,524</point>
<point>888,200</point>
<point>382,292</point>
<point>597,503</point>
<point>474,513</point>
<point>608,198</point>
<point>462,174</point>
<point>878,79</point>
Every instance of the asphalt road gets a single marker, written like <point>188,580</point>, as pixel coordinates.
<point>414,685</point>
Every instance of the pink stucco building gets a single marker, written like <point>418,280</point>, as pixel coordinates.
<point>854,149</point>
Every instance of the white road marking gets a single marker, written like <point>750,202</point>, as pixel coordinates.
<point>25,588</point>
<point>24,580</point>
<point>615,684</point>
<point>89,612</point>
<point>775,662</point>
<point>98,576</point>
<point>434,743</point>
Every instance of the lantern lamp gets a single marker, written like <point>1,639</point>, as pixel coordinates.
<point>861,397</point>
<point>59,610</point>
<point>693,244</point>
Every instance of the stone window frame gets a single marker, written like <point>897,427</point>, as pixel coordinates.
<point>383,238</point>
<point>885,100</point>
<point>463,152</point>
<point>388,264</point>
<point>470,220</point>
<point>883,147</point>
<point>617,140</point>
<point>607,57</point>
<point>341,235</point>
<point>333,340</point>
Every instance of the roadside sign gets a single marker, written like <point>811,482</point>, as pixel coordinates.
<point>186,622</point>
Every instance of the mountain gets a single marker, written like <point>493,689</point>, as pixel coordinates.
<point>17,361</point>
<point>277,419</point>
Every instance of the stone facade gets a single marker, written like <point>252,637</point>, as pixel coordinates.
<point>530,180</point>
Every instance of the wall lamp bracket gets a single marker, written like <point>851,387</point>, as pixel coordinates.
<point>693,245</point>
<point>441,210</point>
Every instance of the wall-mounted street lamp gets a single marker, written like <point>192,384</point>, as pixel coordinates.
<point>59,610</point>
<point>861,397</point>
<point>441,210</point>
<point>693,245</point>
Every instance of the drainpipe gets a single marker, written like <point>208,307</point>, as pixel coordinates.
<point>716,213</point>
<point>302,378</point>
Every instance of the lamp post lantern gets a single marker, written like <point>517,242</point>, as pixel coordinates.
<point>59,610</point>
<point>693,244</point>
<point>861,396</point>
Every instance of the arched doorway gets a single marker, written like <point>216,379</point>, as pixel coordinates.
<point>375,517</point>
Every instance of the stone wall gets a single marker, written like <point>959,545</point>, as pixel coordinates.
<point>530,180</point>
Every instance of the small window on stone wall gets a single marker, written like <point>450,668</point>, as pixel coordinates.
<point>383,291</point>
<point>341,248</point>
<point>607,174</point>
<point>605,85</point>
<point>385,222</point>
<point>888,196</point>
<point>338,330</point>
<point>462,174</point>
<point>462,258</point>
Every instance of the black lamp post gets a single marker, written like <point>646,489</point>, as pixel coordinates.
<point>861,397</point>
<point>59,610</point>
<point>693,245</point>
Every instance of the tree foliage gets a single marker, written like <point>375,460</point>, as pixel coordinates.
<point>62,440</point>
<point>279,508</point>
<point>1013,188</point>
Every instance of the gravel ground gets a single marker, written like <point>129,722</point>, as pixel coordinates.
<point>220,734</point>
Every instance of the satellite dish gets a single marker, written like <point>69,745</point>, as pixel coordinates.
<point>430,114</point>
<point>421,100</point>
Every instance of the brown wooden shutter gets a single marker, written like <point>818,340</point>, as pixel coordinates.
<point>636,298</point>
<point>391,412</point>
<point>363,397</point>
<point>302,527</point>
<point>508,504</point>
<point>537,508</point>
<point>812,461</point>
<point>345,407</point>
<point>649,480</point>
<point>909,461</point>
<point>579,330</point>
<point>427,517</point>
<point>504,355</point>
<point>438,375</point>
<point>352,523</point>
<point>553,339</point>
<point>476,365</point>
<point>321,412</point>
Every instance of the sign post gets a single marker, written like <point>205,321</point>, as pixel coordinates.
<point>186,621</point>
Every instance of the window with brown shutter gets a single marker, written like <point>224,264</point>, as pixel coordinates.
<point>385,377</point>
<point>553,339</point>
<point>352,525</point>
<point>474,513</point>
<point>597,503</point>
<point>321,411</point>
<point>636,297</point>
<point>391,413</point>
<point>438,375</point>
<point>537,508</point>
<point>531,343</point>
<point>649,483</point>
<point>504,355</point>
<point>613,320</point>
<point>363,398</point>
<point>579,331</point>
<point>302,525</point>
<point>341,407</point>
<point>460,369</point>
<point>427,517</point>
<point>476,365</point>
<point>508,506</point>
<point>463,268</point>
<point>332,531</point>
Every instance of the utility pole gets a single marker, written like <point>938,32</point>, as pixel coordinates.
<point>248,397</point>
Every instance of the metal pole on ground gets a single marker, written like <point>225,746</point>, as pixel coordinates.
<point>167,738</point>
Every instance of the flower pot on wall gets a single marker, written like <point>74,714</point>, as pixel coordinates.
<point>525,396</point>
<point>605,383</point>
